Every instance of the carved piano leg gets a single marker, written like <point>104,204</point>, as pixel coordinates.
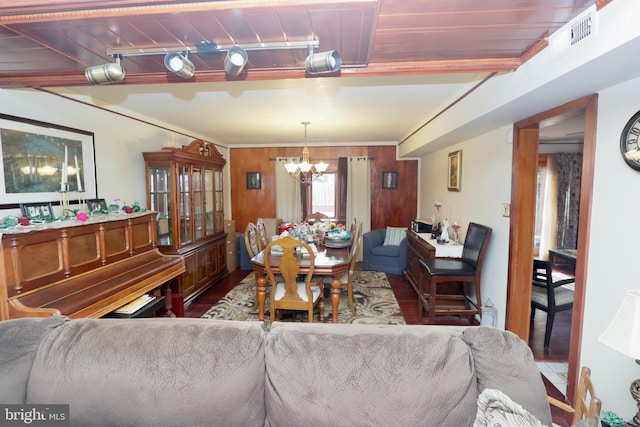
<point>167,301</point>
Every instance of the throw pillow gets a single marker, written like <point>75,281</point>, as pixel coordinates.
<point>394,236</point>
<point>588,422</point>
<point>496,409</point>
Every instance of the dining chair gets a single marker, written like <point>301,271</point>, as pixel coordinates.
<point>587,405</point>
<point>466,269</point>
<point>315,217</point>
<point>354,226</point>
<point>290,291</point>
<point>251,239</point>
<point>263,239</point>
<point>549,294</point>
<point>346,281</point>
<point>253,248</point>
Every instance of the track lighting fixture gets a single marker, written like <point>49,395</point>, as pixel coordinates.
<point>235,61</point>
<point>179,64</point>
<point>324,62</point>
<point>176,58</point>
<point>106,73</point>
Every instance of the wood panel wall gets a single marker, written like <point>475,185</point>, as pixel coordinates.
<point>388,207</point>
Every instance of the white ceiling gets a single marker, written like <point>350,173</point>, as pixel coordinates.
<point>341,111</point>
<point>363,110</point>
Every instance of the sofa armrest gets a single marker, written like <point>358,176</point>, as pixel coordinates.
<point>372,239</point>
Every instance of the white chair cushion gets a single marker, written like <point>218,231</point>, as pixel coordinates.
<point>344,279</point>
<point>302,291</point>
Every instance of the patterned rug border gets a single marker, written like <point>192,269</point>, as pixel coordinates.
<point>375,303</point>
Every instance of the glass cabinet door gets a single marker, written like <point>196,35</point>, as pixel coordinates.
<point>208,202</point>
<point>219,208</point>
<point>184,203</point>
<point>198,203</point>
<point>159,198</point>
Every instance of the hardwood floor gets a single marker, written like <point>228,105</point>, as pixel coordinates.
<point>558,347</point>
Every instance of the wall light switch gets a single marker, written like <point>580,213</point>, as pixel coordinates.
<point>506,209</point>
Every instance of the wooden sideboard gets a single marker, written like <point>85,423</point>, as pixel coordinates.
<point>82,269</point>
<point>419,248</point>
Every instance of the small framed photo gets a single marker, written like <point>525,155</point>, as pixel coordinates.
<point>389,180</point>
<point>96,205</point>
<point>254,181</point>
<point>37,211</point>
<point>455,171</point>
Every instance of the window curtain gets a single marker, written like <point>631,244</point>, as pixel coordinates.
<point>569,179</point>
<point>550,208</point>
<point>359,193</point>
<point>288,197</point>
<point>341,188</point>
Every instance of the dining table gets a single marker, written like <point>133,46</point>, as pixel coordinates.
<point>333,262</point>
<point>569,256</point>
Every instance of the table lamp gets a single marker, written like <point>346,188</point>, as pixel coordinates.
<point>623,335</point>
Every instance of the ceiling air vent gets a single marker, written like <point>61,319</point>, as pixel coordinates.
<point>578,29</point>
<point>581,27</point>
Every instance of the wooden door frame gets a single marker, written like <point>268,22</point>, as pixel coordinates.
<point>522,223</point>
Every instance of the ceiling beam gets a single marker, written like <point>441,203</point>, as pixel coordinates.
<point>205,76</point>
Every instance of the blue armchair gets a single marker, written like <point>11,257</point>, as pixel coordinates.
<point>379,257</point>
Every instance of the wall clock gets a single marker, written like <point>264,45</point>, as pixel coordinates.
<point>629,147</point>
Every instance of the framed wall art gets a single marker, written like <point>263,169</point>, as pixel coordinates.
<point>389,180</point>
<point>40,160</point>
<point>455,170</point>
<point>254,181</point>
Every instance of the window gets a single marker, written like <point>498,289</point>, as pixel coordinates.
<point>323,195</point>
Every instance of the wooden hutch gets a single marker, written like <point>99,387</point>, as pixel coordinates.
<point>184,185</point>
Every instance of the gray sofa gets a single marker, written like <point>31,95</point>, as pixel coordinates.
<point>198,372</point>
<point>379,257</point>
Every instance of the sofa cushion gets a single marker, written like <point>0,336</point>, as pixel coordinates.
<point>394,236</point>
<point>20,339</point>
<point>386,250</point>
<point>503,361</point>
<point>153,372</point>
<point>368,375</point>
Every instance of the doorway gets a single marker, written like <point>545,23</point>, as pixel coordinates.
<point>523,195</point>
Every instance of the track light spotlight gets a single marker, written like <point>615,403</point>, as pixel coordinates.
<point>106,73</point>
<point>235,61</point>
<point>325,62</point>
<point>179,64</point>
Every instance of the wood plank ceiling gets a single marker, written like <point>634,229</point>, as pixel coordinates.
<point>50,43</point>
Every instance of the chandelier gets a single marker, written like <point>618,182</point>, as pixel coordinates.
<point>305,172</point>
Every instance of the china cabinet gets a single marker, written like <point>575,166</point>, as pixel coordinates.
<point>184,185</point>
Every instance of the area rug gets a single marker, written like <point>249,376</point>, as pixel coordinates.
<point>375,303</point>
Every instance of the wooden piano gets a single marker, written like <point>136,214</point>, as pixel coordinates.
<point>82,269</point>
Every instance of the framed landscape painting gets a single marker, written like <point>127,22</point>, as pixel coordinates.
<point>40,160</point>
